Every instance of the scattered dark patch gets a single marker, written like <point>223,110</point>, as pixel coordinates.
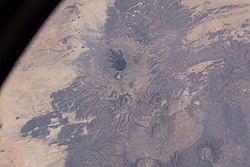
<point>65,40</point>
<point>219,33</point>
<point>200,17</point>
<point>38,126</point>
<point>245,24</point>
<point>73,9</point>
<point>69,47</point>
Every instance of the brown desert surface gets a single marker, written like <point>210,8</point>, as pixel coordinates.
<point>132,83</point>
<point>43,68</point>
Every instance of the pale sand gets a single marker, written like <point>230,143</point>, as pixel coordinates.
<point>44,68</point>
<point>226,19</point>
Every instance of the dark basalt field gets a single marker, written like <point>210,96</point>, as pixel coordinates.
<point>172,105</point>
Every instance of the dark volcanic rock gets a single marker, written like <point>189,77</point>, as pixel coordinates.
<point>118,62</point>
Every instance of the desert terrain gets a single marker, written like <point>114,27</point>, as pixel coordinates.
<point>132,83</point>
